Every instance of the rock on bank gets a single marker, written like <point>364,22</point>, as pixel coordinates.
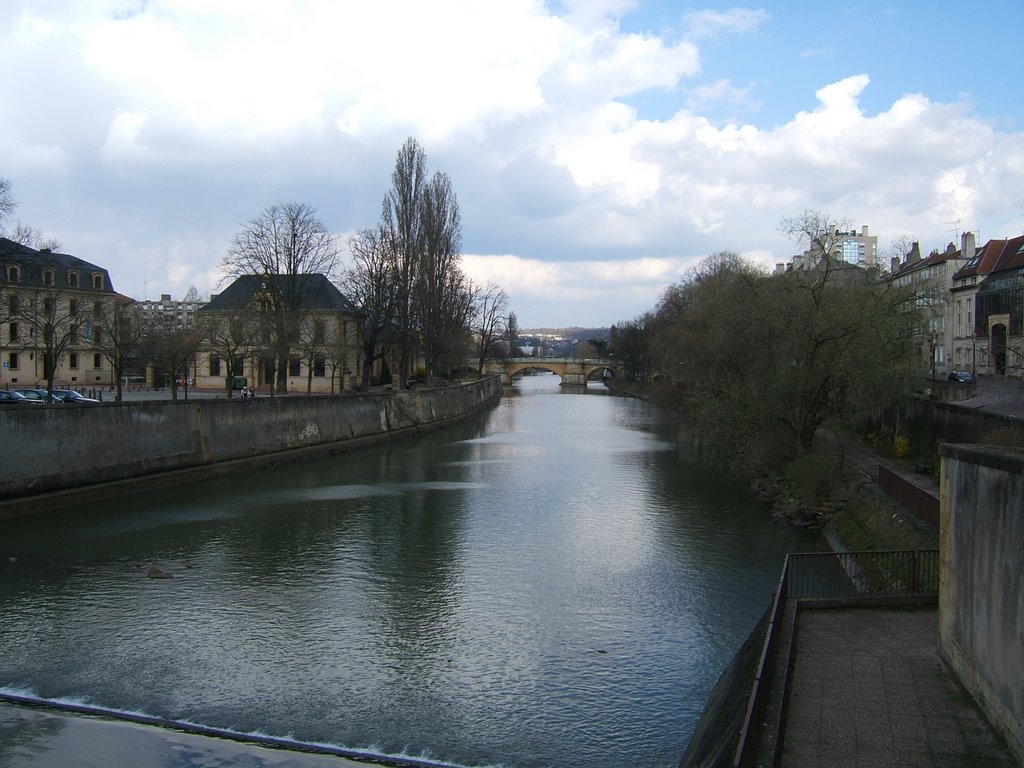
<point>58,456</point>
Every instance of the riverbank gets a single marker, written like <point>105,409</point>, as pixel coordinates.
<point>854,513</point>
<point>73,455</point>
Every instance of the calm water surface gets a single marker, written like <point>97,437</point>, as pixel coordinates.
<point>556,584</point>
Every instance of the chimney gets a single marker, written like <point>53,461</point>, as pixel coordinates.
<point>967,246</point>
<point>165,297</point>
<point>915,253</point>
<point>864,231</point>
<point>894,264</point>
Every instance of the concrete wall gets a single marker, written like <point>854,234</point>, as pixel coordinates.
<point>55,449</point>
<point>929,423</point>
<point>981,580</point>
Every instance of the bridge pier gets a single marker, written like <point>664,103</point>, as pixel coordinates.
<point>574,379</point>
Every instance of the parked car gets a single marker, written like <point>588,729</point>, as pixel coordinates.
<point>10,397</point>
<point>40,396</point>
<point>963,377</point>
<point>71,397</point>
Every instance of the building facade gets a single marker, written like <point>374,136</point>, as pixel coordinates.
<point>168,313</point>
<point>53,311</point>
<point>324,354</point>
<point>930,278</point>
<point>988,296</point>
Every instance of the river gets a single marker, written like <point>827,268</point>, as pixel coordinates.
<point>557,583</point>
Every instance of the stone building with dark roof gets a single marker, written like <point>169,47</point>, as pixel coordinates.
<point>324,357</point>
<point>988,294</point>
<point>51,305</point>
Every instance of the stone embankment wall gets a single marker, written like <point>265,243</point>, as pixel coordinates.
<point>981,580</point>
<point>78,450</point>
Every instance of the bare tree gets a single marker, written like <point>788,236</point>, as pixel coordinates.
<point>56,321</point>
<point>116,331</point>
<point>513,335</point>
<point>172,350</point>
<point>8,204</point>
<point>230,337</point>
<point>33,238</point>
<point>312,348</point>
<point>281,245</point>
<point>368,284</point>
<point>439,291</point>
<point>817,231</point>
<point>489,323</point>
<point>402,225</point>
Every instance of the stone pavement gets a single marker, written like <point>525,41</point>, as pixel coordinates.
<point>868,689</point>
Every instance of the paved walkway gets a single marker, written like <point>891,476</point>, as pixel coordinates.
<point>868,689</point>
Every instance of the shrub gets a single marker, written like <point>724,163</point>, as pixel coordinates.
<point>811,477</point>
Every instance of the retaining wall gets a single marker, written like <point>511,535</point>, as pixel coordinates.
<point>55,449</point>
<point>981,580</point>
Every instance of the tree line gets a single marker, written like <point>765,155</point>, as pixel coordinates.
<point>405,283</point>
<point>760,361</point>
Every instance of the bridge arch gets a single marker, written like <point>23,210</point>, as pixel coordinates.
<point>573,372</point>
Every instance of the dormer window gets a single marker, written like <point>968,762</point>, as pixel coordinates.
<point>97,282</point>
<point>73,279</point>
<point>47,277</point>
<point>13,274</point>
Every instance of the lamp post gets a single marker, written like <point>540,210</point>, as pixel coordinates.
<point>932,350</point>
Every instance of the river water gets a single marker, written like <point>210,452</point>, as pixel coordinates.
<point>558,583</point>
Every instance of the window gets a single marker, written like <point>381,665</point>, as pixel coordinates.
<point>48,306</point>
<point>14,305</point>
<point>72,307</point>
<point>12,361</point>
<point>97,308</point>
<point>73,360</point>
<point>73,279</point>
<point>319,367</point>
<point>73,334</point>
<point>97,360</point>
<point>47,277</point>
<point>214,365</point>
<point>12,332</point>
<point>97,334</point>
<point>318,332</point>
<point>97,282</point>
<point>295,367</point>
<point>13,274</point>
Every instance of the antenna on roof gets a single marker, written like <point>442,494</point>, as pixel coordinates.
<point>956,228</point>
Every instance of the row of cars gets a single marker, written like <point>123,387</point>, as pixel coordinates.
<point>41,396</point>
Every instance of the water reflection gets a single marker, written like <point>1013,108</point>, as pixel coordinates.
<point>555,584</point>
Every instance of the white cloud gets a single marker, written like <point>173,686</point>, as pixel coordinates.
<point>177,120</point>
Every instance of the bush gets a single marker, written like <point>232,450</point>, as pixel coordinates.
<point>810,478</point>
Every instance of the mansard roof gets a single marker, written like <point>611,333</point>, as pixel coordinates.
<point>318,293</point>
<point>993,256</point>
<point>31,264</point>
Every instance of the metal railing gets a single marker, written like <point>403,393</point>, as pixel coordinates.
<point>838,575</point>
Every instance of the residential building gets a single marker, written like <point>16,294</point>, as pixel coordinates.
<point>855,248</point>
<point>324,356</point>
<point>988,296</point>
<point>168,313</point>
<point>51,311</point>
<point>930,279</point>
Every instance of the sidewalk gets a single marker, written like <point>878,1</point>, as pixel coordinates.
<point>868,688</point>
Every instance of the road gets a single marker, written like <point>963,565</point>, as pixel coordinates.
<point>997,394</point>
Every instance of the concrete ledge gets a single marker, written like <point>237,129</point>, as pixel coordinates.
<point>90,454</point>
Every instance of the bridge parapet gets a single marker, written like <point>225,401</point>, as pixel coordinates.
<point>572,371</point>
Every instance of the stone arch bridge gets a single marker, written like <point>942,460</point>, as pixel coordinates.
<point>573,372</point>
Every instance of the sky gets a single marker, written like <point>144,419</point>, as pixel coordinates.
<point>599,149</point>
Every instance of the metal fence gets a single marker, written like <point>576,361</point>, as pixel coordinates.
<point>849,574</point>
<point>839,575</point>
